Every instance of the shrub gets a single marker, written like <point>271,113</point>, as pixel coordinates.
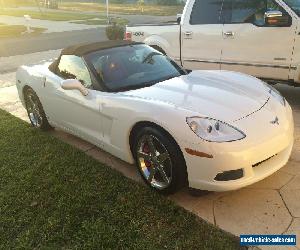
<point>115,32</point>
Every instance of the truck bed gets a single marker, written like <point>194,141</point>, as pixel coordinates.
<point>154,24</point>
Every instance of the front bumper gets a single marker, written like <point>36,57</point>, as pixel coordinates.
<point>265,150</point>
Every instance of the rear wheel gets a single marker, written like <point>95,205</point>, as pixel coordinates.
<point>159,160</point>
<point>35,110</point>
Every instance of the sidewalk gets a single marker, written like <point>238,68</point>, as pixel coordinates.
<point>50,26</point>
<point>269,207</point>
<point>11,63</point>
<point>133,19</point>
<point>62,26</point>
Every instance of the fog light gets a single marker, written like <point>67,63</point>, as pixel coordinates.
<point>230,175</point>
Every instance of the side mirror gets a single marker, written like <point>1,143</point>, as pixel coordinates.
<point>178,18</point>
<point>71,84</point>
<point>276,18</point>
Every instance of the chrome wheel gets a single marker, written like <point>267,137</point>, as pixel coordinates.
<point>154,162</point>
<point>33,110</point>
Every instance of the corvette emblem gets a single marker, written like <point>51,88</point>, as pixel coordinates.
<point>276,121</point>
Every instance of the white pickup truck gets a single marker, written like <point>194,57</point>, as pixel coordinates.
<point>257,37</point>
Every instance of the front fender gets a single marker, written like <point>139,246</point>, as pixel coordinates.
<point>171,119</point>
<point>297,75</point>
<point>155,40</point>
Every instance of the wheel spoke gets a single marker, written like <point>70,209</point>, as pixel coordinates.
<point>154,162</point>
<point>37,114</point>
<point>33,111</point>
<point>144,156</point>
<point>152,173</point>
<point>163,174</point>
<point>151,145</point>
<point>39,119</point>
<point>31,101</point>
<point>163,157</point>
<point>29,108</point>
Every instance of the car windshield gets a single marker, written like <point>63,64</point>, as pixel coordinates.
<point>132,67</point>
<point>294,5</point>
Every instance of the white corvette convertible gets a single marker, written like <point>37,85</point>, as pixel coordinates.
<point>212,130</point>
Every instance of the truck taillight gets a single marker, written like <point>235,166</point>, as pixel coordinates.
<point>128,36</point>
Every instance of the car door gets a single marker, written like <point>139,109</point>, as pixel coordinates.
<point>201,35</point>
<point>252,46</point>
<point>78,114</point>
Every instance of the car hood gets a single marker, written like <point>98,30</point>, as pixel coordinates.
<point>222,95</point>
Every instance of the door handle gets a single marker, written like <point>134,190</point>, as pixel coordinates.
<point>228,34</point>
<point>188,34</point>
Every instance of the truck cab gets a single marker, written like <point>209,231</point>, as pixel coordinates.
<point>257,37</point>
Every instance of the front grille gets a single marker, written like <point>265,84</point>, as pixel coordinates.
<point>261,162</point>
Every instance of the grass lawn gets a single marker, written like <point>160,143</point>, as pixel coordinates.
<point>51,15</point>
<point>53,196</point>
<point>7,31</point>
<point>62,16</point>
<point>157,10</point>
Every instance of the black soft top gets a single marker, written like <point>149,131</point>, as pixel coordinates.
<point>86,48</point>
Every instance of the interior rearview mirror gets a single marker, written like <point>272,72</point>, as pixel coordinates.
<point>276,18</point>
<point>71,84</point>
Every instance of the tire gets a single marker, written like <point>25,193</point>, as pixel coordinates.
<point>159,160</point>
<point>35,110</point>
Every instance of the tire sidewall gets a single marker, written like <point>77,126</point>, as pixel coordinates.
<point>178,164</point>
<point>44,124</point>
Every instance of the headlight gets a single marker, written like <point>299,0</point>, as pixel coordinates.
<point>276,94</point>
<point>213,130</point>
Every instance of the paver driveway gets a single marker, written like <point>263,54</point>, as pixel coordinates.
<point>271,206</point>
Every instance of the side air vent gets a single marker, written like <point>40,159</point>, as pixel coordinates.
<point>261,162</point>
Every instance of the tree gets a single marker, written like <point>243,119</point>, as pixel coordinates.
<point>38,5</point>
<point>141,4</point>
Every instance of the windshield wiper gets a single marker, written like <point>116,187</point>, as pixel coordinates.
<point>150,56</point>
<point>168,78</point>
<point>136,86</point>
<point>143,85</point>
